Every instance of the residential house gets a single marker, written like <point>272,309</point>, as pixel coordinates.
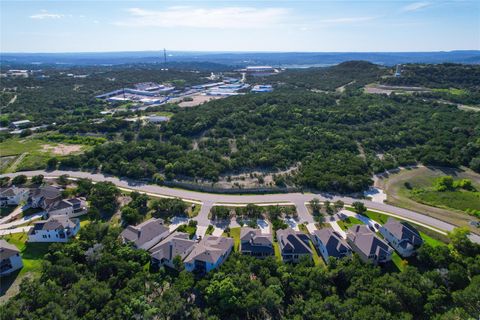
<point>208,254</point>
<point>402,237</point>
<point>146,234</point>
<point>69,207</point>
<point>256,244</point>
<point>44,197</point>
<point>330,244</point>
<point>12,196</point>
<point>293,245</point>
<point>10,259</point>
<point>176,244</point>
<point>368,246</point>
<point>54,229</point>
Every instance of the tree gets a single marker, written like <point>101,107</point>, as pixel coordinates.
<point>103,196</point>
<point>328,207</point>
<point>359,207</point>
<point>315,205</point>
<point>52,163</point>
<point>339,204</point>
<point>4,181</point>
<point>444,183</point>
<point>167,208</point>
<point>220,212</point>
<point>37,179</point>
<point>475,164</point>
<point>19,180</point>
<point>130,215</point>
<point>84,186</point>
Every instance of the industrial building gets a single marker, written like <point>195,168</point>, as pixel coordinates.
<point>262,88</point>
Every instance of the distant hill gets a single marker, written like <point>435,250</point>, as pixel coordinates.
<point>240,59</point>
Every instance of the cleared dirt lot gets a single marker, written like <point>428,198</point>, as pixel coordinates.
<point>197,100</point>
<point>62,149</point>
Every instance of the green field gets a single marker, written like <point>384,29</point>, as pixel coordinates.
<point>458,200</point>
<point>35,156</point>
<point>453,91</point>
<point>447,206</point>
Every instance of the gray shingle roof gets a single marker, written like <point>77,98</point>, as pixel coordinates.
<point>176,244</point>
<point>367,242</point>
<point>56,223</point>
<point>144,232</point>
<point>210,249</point>
<point>335,245</point>
<point>7,250</point>
<point>403,231</point>
<point>292,241</point>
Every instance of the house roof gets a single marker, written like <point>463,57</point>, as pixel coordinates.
<point>366,241</point>
<point>47,192</point>
<point>293,241</point>
<point>63,204</point>
<point>210,249</point>
<point>403,231</point>
<point>7,250</point>
<point>10,191</point>
<point>255,236</point>
<point>56,223</point>
<point>176,244</point>
<point>144,232</point>
<point>334,244</point>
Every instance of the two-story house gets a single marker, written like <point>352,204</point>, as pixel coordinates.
<point>146,234</point>
<point>176,244</point>
<point>330,244</point>
<point>69,207</point>
<point>10,259</point>
<point>45,196</point>
<point>402,237</point>
<point>12,196</point>
<point>54,229</point>
<point>208,254</point>
<point>368,246</point>
<point>256,244</point>
<point>293,245</point>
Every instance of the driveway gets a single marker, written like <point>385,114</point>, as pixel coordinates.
<point>208,199</point>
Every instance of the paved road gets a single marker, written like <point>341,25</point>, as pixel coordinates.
<point>208,199</point>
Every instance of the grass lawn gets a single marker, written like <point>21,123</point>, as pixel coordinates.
<point>278,254</point>
<point>194,212</point>
<point>16,146</point>
<point>188,229</point>
<point>84,220</point>
<point>453,91</point>
<point>348,222</point>
<point>398,261</point>
<point>235,234</point>
<point>32,253</point>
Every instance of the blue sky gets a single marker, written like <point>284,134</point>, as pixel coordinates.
<point>86,26</point>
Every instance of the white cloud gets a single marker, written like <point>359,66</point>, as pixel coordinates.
<point>44,14</point>
<point>194,17</point>
<point>347,20</point>
<point>415,6</point>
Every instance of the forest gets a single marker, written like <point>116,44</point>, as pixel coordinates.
<point>339,143</point>
<point>97,277</point>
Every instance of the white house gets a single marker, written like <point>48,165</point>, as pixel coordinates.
<point>68,207</point>
<point>402,237</point>
<point>54,229</point>
<point>10,259</point>
<point>176,244</point>
<point>146,234</point>
<point>208,254</point>
<point>12,196</point>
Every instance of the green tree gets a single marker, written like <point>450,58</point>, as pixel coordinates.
<point>359,207</point>
<point>315,205</point>
<point>38,180</point>
<point>19,180</point>
<point>52,163</point>
<point>103,196</point>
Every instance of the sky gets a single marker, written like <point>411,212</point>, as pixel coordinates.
<point>269,25</point>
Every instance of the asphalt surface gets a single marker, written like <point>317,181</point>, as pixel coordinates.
<point>209,199</point>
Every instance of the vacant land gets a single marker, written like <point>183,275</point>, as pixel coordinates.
<point>62,149</point>
<point>421,177</point>
<point>197,99</point>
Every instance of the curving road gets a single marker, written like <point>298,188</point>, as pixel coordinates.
<point>210,199</point>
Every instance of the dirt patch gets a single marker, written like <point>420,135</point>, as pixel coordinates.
<point>62,149</point>
<point>197,100</point>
